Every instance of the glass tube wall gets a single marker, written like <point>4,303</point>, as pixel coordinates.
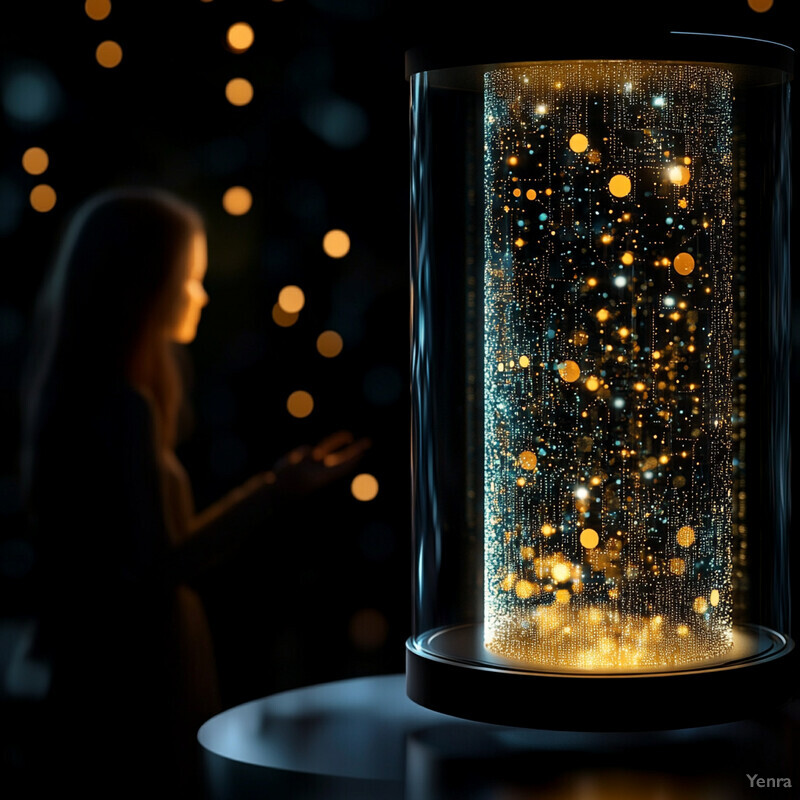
<point>600,365</point>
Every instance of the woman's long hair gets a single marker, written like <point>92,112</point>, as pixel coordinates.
<point>104,310</point>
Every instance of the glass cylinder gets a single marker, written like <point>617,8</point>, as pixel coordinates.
<point>600,292</point>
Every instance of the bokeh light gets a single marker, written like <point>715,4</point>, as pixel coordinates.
<point>31,94</point>
<point>35,160</point>
<point>239,91</point>
<point>760,6</point>
<point>329,344</point>
<point>237,200</point>
<point>108,54</point>
<point>578,143</point>
<point>336,243</point>
<point>364,487</point>
<point>291,299</point>
<point>300,404</point>
<point>43,197</point>
<point>97,9</point>
<point>240,37</point>
<point>280,317</point>
<point>620,185</point>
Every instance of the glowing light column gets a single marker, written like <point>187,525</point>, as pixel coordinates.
<point>608,330</point>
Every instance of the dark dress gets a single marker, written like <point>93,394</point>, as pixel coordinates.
<point>123,629</point>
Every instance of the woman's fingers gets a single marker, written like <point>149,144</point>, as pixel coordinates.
<point>346,454</point>
<point>331,443</point>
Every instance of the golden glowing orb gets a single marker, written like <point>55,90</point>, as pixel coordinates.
<point>563,596</point>
<point>300,404</point>
<point>700,605</point>
<point>525,589</point>
<point>42,197</point>
<point>679,175</point>
<point>627,258</point>
<point>548,529</point>
<point>35,160</point>
<point>237,201</point>
<point>527,460</point>
<point>592,384</point>
<point>524,361</point>
<point>508,582</point>
<point>108,54</point>
<point>240,37</point>
<point>620,186</point>
<point>569,371</point>
<point>589,538</point>
<point>560,572</point>
<point>97,9</point>
<point>683,263</point>
<point>603,314</point>
<point>239,91</point>
<point>291,299</point>
<point>329,344</point>
<point>364,487</point>
<point>517,192</point>
<point>677,566</point>
<point>685,536</point>
<point>531,194</point>
<point>760,6</point>
<point>682,630</point>
<point>336,243</point>
<point>714,597</point>
<point>578,143</point>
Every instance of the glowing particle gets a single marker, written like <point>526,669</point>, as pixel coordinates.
<point>521,482</point>
<point>239,91</point>
<point>580,338</point>
<point>683,264</point>
<point>531,194</point>
<point>108,54</point>
<point>291,299</point>
<point>760,6</point>
<point>541,108</point>
<point>524,589</point>
<point>364,487</point>
<point>560,572</point>
<point>620,281</point>
<point>714,597</point>
<point>563,596</point>
<point>606,238</point>
<point>569,371</point>
<point>520,242</point>
<point>679,175</point>
<point>677,566</point>
<point>42,197</point>
<point>682,631</point>
<point>589,538</point>
<point>300,404</point>
<point>97,9</point>
<point>592,384</point>
<point>639,386</point>
<point>548,529</point>
<point>685,536</point>
<point>627,258</point>
<point>578,143</point>
<point>280,317</point>
<point>700,605</point>
<point>517,192</point>
<point>237,201</point>
<point>240,37</point>
<point>528,553</point>
<point>513,161</point>
<point>329,344</point>
<point>527,460</point>
<point>620,185</point>
<point>35,160</point>
<point>603,314</point>
<point>592,282</point>
<point>683,203</point>
<point>524,361</point>
<point>624,332</point>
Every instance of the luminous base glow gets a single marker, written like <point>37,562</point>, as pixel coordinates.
<point>611,411</point>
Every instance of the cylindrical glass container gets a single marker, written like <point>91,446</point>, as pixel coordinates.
<point>600,286</point>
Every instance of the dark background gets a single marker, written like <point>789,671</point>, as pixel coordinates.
<point>323,144</point>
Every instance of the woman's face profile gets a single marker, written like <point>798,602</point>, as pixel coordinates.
<point>193,296</point>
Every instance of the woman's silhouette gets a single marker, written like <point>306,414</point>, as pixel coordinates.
<point>111,510</point>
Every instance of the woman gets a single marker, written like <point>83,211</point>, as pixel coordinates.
<point>111,509</point>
